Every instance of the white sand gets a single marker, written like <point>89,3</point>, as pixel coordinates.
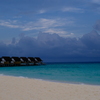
<point>14,88</point>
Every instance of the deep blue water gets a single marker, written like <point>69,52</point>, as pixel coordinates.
<point>79,73</point>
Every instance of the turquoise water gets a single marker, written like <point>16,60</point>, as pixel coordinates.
<point>78,73</point>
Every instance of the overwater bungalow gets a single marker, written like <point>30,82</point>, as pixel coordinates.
<point>24,61</point>
<point>33,60</point>
<point>6,61</point>
<point>16,61</point>
<point>39,60</point>
<point>20,61</point>
<point>0,61</point>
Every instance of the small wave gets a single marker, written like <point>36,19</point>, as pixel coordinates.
<point>1,74</point>
<point>22,77</point>
<point>83,84</point>
<point>13,76</point>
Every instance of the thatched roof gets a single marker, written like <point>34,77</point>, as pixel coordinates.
<point>16,58</point>
<point>32,59</point>
<point>24,59</point>
<point>7,58</point>
<point>0,59</point>
<point>38,59</point>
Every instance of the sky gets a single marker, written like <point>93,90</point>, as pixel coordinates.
<point>55,30</point>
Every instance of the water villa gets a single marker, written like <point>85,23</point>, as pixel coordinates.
<point>20,61</point>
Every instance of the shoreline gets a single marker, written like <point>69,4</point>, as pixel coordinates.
<point>17,88</point>
<point>56,81</point>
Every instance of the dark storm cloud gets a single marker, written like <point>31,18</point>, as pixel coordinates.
<point>91,40</point>
<point>52,46</point>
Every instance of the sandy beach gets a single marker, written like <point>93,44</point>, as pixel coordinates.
<point>16,88</point>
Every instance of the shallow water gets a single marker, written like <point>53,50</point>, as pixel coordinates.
<point>79,73</point>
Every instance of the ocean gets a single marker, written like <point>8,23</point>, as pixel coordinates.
<point>75,73</point>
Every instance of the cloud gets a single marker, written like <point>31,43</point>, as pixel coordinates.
<point>42,24</point>
<point>30,12</point>
<point>60,32</point>
<point>53,47</point>
<point>95,5</point>
<point>57,31</point>
<point>50,25</point>
<point>91,40</point>
<point>13,40</point>
<point>96,1</point>
<point>97,25</point>
<point>73,9</point>
<point>40,7</point>
<point>50,22</point>
<point>42,11</point>
<point>9,23</point>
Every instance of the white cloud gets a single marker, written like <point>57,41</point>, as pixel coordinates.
<point>54,25</point>
<point>57,31</point>
<point>41,11</point>
<point>9,23</point>
<point>49,23</point>
<point>73,9</point>
<point>96,1</point>
<point>43,24</point>
<point>60,32</point>
<point>26,26</point>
